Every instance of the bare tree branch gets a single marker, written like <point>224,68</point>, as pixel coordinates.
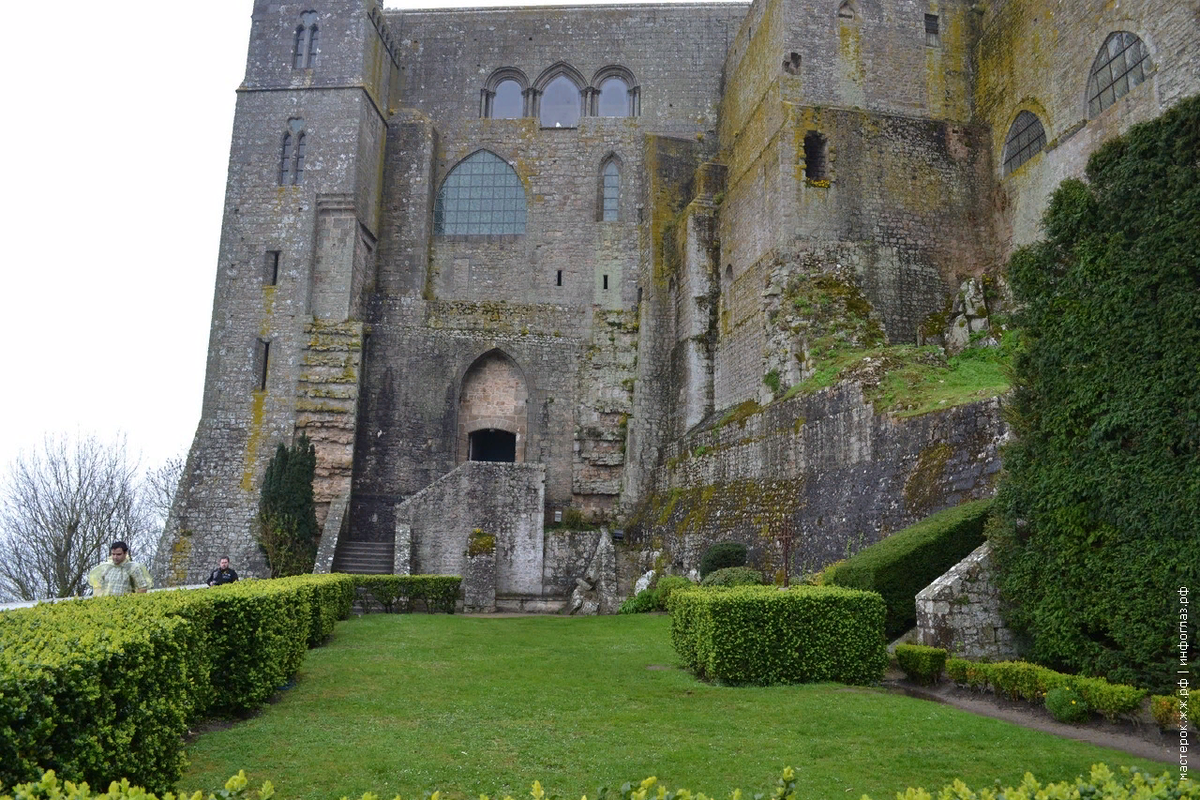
<point>62,507</point>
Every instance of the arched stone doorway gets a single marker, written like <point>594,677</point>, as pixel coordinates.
<point>492,410</point>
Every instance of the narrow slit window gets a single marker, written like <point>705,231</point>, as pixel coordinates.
<point>558,279</point>
<point>314,36</point>
<point>606,283</point>
<point>298,161</point>
<point>285,160</point>
<point>291,156</point>
<point>263,356</point>
<point>271,268</point>
<point>298,50</point>
<point>814,157</point>
<point>932,35</point>
<point>610,193</point>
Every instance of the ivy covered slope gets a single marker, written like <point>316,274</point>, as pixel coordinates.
<point>1100,505</point>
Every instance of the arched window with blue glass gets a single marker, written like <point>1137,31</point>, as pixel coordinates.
<point>482,195</point>
<point>610,189</point>
<point>616,93</point>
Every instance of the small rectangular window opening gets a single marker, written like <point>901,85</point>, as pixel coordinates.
<point>931,30</point>
<point>558,516</point>
<point>606,283</point>
<point>271,268</point>
<point>558,279</point>
<point>814,156</point>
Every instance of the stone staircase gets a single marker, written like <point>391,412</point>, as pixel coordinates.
<point>364,558</point>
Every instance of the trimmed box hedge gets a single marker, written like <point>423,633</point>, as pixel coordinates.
<point>104,688</point>
<point>906,562</point>
<point>764,635</point>
<point>1099,784</point>
<point>399,592</point>
<point>921,664</point>
<point>1020,680</point>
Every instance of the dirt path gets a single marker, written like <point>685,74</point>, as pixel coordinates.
<point>1144,740</point>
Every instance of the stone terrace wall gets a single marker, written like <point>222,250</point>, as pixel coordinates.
<point>842,474</point>
<point>960,612</point>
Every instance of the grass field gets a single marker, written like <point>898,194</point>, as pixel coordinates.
<point>405,704</point>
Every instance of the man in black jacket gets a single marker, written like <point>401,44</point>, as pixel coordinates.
<point>222,574</point>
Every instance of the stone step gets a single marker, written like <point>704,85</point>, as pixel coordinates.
<point>364,558</point>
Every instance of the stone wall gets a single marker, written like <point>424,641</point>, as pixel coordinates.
<point>960,612</point>
<point>503,500</point>
<point>841,475</point>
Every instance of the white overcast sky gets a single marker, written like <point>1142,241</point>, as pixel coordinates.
<point>115,143</point>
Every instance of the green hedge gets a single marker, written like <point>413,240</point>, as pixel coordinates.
<point>921,664</point>
<point>909,560</point>
<point>764,635</point>
<point>1020,680</point>
<point>399,592</point>
<point>104,688</point>
<point>1100,784</point>
<point>733,576</point>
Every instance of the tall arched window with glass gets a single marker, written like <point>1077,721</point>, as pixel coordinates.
<point>481,195</point>
<point>610,192</point>
<point>614,98</point>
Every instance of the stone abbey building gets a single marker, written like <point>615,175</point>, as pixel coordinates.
<point>513,268</point>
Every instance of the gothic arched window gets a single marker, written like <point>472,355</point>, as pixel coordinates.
<point>1025,139</point>
<point>291,157</point>
<point>304,46</point>
<point>481,195</point>
<point>1122,63</point>
<point>614,99</point>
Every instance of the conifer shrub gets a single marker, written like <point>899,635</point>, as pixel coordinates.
<point>733,576</point>
<point>907,561</point>
<point>1097,526</point>
<point>921,664</point>
<point>764,635</point>
<point>722,555</point>
<point>286,527</point>
<point>1066,705</point>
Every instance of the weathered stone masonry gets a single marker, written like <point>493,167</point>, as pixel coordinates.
<point>758,145</point>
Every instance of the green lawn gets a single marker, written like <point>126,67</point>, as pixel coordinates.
<point>404,704</point>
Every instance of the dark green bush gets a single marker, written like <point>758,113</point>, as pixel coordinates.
<point>655,597</point>
<point>733,576</point>
<point>722,555</point>
<point>921,664</point>
<point>286,526</point>
<point>764,635</point>
<point>909,560</point>
<point>1097,524</point>
<point>1065,705</point>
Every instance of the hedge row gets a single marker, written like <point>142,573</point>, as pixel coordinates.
<point>909,560</point>
<point>397,593</point>
<point>921,664</point>
<point>1020,680</point>
<point>1100,784</point>
<point>106,687</point>
<point>764,635</point>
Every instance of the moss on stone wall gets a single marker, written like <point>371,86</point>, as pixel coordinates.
<point>923,489</point>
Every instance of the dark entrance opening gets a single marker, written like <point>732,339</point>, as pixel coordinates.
<point>490,444</point>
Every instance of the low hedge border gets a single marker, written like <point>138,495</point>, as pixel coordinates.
<point>1102,783</point>
<point>906,562</point>
<point>1020,680</point>
<point>107,687</point>
<point>764,635</point>
<point>921,664</point>
<point>397,593</point>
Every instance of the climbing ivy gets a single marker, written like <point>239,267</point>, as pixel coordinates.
<point>1098,522</point>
